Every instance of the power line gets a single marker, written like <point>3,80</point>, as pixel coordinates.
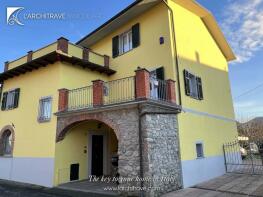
<point>249,91</point>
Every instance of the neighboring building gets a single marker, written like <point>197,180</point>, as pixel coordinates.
<point>67,109</point>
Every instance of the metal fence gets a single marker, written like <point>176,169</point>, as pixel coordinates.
<point>118,91</point>
<point>243,157</point>
<point>80,98</point>
<point>159,89</point>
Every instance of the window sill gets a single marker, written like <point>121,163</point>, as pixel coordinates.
<point>44,120</point>
<point>9,109</point>
<point>196,98</point>
<point>124,53</point>
<point>200,158</point>
<point>6,156</point>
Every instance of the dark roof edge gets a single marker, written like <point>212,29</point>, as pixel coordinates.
<point>110,20</point>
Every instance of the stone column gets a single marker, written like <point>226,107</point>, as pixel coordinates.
<point>63,100</point>
<point>161,152</point>
<point>171,91</point>
<point>142,84</point>
<point>62,45</point>
<point>98,92</point>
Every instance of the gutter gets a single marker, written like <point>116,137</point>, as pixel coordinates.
<point>175,52</point>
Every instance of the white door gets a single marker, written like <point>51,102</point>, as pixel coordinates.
<point>154,85</point>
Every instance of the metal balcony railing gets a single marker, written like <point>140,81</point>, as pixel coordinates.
<point>80,98</point>
<point>158,89</point>
<point>119,91</point>
<point>135,88</point>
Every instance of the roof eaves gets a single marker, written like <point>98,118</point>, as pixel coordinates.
<point>110,20</point>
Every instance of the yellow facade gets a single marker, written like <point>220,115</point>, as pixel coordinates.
<point>210,120</point>
<point>33,139</point>
<point>150,54</point>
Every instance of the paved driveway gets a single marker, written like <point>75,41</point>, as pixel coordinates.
<point>13,189</point>
<point>236,185</point>
<point>229,185</point>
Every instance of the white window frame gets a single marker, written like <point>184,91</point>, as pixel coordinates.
<point>193,85</point>
<point>126,36</point>
<point>202,146</point>
<point>10,100</point>
<point>41,118</point>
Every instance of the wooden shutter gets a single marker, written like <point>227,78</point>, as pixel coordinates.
<point>16,98</point>
<point>160,73</point>
<point>3,107</point>
<point>135,35</point>
<point>199,88</point>
<point>115,46</point>
<point>187,82</point>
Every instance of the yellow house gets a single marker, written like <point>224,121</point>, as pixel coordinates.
<point>147,94</point>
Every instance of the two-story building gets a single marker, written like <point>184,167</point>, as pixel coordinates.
<point>148,91</point>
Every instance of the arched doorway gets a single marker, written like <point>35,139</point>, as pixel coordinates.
<point>86,149</point>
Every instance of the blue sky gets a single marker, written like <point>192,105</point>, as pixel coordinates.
<point>241,21</point>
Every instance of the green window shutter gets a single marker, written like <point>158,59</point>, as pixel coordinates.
<point>187,82</point>
<point>3,107</point>
<point>115,46</point>
<point>199,88</point>
<point>16,99</point>
<point>160,73</point>
<point>135,35</point>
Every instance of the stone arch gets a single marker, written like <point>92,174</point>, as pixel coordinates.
<point>66,123</point>
<point>6,129</point>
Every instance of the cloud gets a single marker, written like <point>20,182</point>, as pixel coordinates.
<point>243,26</point>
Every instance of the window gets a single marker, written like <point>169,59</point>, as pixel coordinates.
<point>199,150</point>
<point>126,41</point>
<point>6,143</point>
<point>193,85</point>
<point>45,109</point>
<point>10,99</point>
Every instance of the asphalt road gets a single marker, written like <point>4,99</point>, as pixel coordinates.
<point>21,191</point>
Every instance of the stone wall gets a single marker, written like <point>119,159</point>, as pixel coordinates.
<point>124,122</point>
<point>161,153</point>
<point>159,137</point>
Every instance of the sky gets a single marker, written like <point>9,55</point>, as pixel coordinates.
<point>240,20</point>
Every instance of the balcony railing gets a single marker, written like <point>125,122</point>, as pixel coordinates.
<point>118,91</point>
<point>80,98</point>
<point>135,88</point>
<point>158,89</point>
<point>62,46</point>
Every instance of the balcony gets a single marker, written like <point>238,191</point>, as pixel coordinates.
<point>61,50</point>
<point>126,90</point>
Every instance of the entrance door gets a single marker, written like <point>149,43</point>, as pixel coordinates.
<point>97,155</point>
